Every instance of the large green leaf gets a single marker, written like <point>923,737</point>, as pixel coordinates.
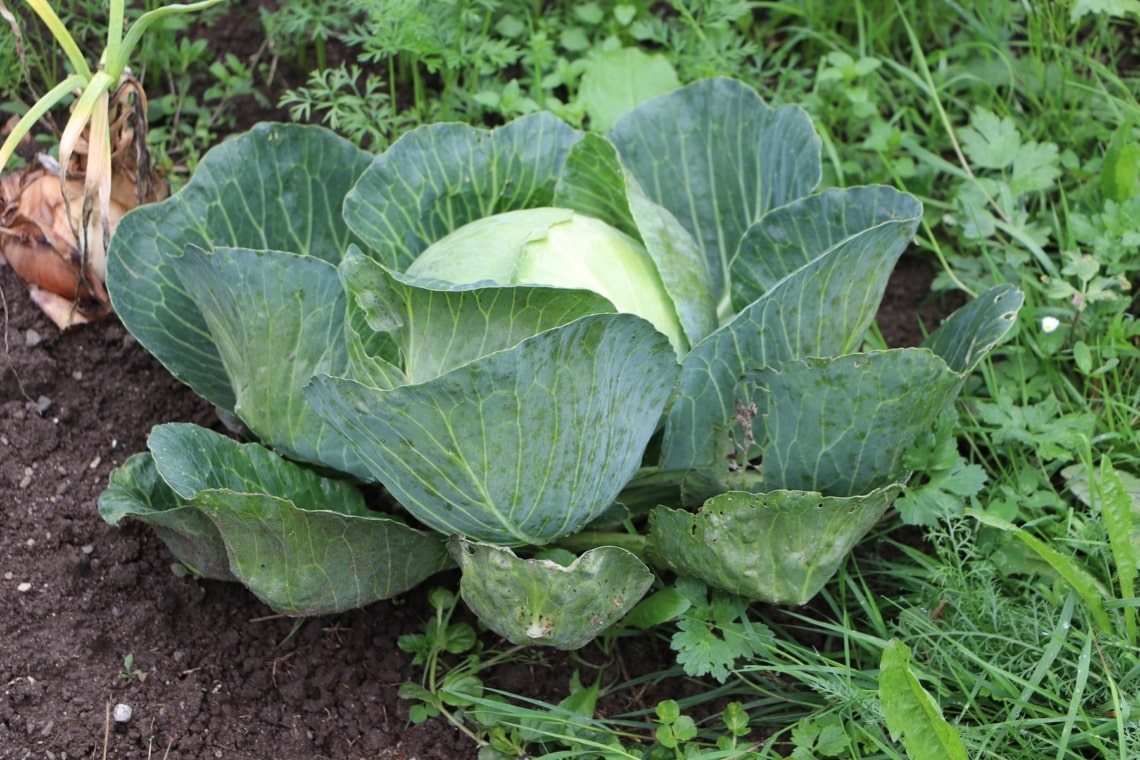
<point>439,177</point>
<point>136,491</point>
<point>779,547</point>
<point>821,308</point>
<point>718,158</point>
<point>305,558</point>
<point>840,425</point>
<point>304,544</point>
<point>276,319</point>
<point>522,446</point>
<point>277,187</point>
<point>438,326</point>
<point>790,237</point>
<point>538,601</point>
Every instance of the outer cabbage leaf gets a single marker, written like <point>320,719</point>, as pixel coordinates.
<point>521,446</point>
<point>840,425</point>
<point>836,425</point>
<point>820,308</point>
<point>778,547</point>
<point>277,187</point>
<point>972,331</point>
<point>719,158</point>
<point>537,601</point>
<point>790,237</point>
<point>304,544</point>
<point>276,320</point>
<point>137,491</point>
<point>439,177</point>
<point>437,327</point>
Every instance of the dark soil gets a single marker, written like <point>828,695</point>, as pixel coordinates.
<point>220,677</point>
<point>215,674</point>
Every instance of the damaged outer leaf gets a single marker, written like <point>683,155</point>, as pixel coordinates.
<point>779,547</point>
<point>537,601</point>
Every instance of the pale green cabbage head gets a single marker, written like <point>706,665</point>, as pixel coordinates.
<point>559,248</point>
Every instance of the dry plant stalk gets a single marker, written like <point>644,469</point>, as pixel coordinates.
<point>57,218</point>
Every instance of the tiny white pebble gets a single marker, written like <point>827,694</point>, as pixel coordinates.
<point>23,588</point>
<point>1049,324</point>
<point>122,713</point>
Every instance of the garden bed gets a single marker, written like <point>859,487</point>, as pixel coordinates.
<point>214,673</point>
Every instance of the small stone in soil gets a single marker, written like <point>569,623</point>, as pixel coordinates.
<point>32,338</point>
<point>24,588</point>
<point>122,713</point>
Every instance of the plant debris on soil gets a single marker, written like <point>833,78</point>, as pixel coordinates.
<point>213,672</point>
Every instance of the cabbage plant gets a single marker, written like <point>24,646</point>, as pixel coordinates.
<point>556,359</point>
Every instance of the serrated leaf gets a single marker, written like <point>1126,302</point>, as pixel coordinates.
<point>1036,166</point>
<point>714,635</point>
<point>522,446</point>
<point>990,142</point>
<point>833,740</point>
<point>542,602</point>
<point>944,496</point>
<point>276,187</point>
<point>911,712</point>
